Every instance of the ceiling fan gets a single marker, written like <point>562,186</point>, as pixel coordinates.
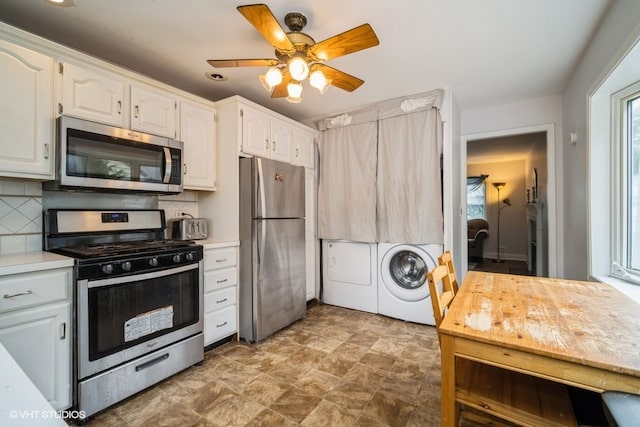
<point>298,56</point>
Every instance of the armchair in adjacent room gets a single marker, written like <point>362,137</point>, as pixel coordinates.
<point>477,232</point>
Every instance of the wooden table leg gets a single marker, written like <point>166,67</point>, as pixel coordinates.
<point>449,408</point>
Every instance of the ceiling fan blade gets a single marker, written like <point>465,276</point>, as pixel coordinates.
<point>339,78</point>
<point>362,37</point>
<point>224,63</point>
<point>261,17</point>
<point>281,91</point>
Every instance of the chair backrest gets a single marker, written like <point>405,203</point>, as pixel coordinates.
<point>447,260</point>
<point>440,300</point>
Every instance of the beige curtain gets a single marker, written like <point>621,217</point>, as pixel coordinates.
<point>347,183</point>
<point>409,179</point>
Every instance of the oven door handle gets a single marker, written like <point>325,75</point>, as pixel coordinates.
<point>138,277</point>
<point>167,165</point>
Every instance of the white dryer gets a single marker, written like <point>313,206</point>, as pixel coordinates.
<point>350,275</point>
<point>403,291</point>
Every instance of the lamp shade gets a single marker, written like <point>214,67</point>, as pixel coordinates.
<point>318,80</point>
<point>298,68</point>
<point>499,185</point>
<point>295,92</point>
<point>271,79</point>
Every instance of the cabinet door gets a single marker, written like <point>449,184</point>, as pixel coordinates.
<point>26,122</point>
<point>93,95</point>
<point>153,111</point>
<point>255,133</point>
<point>39,340</point>
<point>281,140</point>
<point>198,132</point>
<point>303,148</point>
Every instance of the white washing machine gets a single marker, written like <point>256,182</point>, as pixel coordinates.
<point>403,291</point>
<point>349,271</point>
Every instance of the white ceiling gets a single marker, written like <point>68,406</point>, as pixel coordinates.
<point>488,52</point>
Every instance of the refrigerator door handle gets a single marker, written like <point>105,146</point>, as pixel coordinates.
<point>261,195</point>
<point>262,230</point>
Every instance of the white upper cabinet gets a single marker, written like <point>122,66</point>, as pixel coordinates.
<point>264,135</point>
<point>303,148</point>
<point>153,111</point>
<point>281,140</point>
<point>198,133</point>
<point>255,132</point>
<point>26,122</point>
<point>93,94</point>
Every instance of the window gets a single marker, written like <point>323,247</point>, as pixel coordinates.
<point>476,197</point>
<point>626,184</point>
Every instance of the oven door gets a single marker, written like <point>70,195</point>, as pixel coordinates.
<point>119,319</point>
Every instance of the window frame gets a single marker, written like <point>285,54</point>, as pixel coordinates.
<point>620,192</point>
<point>483,185</point>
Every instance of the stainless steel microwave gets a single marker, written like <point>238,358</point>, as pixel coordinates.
<point>94,156</point>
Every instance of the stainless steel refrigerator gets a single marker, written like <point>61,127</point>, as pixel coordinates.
<point>272,247</point>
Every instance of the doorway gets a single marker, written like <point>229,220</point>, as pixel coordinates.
<point>521,213</point>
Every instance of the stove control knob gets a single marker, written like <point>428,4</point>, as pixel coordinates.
<point>190,256</point>
<point>177,258</point>
<point>126,266</point>
<point>153,262</point>
<point>107,268</point>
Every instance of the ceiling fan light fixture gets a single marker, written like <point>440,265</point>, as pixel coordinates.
<point>63,3</point>
<point>271,79</point>
<point>318,80</point>
<point>298,68</point>
<point>294,91</point>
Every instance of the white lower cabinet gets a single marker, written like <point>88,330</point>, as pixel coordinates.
<point>35,328</point>
<point>220,293</point>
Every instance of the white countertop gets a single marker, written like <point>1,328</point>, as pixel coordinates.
<point>21,403</point>
<point>25,262</point>
<point>211,244</point>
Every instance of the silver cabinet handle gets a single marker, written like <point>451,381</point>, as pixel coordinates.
<point>221,281</point>
<point>266,144</point>
<point>46,151</point>
<point>274,145</point>
<point>63,330</point>
<point>221,260</point>
<point>136,111</point>
<point>221,325</point>
<point>297,153</point>
<point>119,110</point>
<point>221,300</point>
<point>7,296</point>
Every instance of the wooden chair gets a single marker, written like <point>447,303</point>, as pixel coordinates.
<point>447,259</point>
<point>484,391</point>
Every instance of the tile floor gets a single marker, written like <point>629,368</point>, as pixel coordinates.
<point>337,367</point>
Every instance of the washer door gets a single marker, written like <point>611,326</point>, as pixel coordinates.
<point>404,272</point>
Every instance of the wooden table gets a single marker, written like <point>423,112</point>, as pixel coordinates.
<point>585,334</point>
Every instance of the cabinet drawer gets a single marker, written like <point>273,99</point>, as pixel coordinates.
<point>218,279</point>
<point>219,258</point>
<point>219,299</point>
<point>219,324</point>
<point>29,289</point>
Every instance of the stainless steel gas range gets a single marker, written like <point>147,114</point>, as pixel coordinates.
<point>137,298</point>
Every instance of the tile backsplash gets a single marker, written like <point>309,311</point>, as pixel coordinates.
<point>20,216</point>
<point>22,203</point>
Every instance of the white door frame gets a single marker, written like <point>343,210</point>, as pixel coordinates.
<point>552,231</point>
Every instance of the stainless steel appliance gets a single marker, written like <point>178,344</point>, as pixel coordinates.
<point>96,156</point>
<point>272,247</point>
<point>138,301</point>
<point>188,228</point>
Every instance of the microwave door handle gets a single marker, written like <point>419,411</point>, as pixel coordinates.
<point>167,165</point>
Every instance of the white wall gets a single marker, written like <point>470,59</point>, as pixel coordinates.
<point>619,24</point>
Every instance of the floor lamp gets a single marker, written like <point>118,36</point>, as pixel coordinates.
<point>507,202</point>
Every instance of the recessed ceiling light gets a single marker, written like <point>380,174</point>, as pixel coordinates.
<point>63,3</point>
<point>216,77</point>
